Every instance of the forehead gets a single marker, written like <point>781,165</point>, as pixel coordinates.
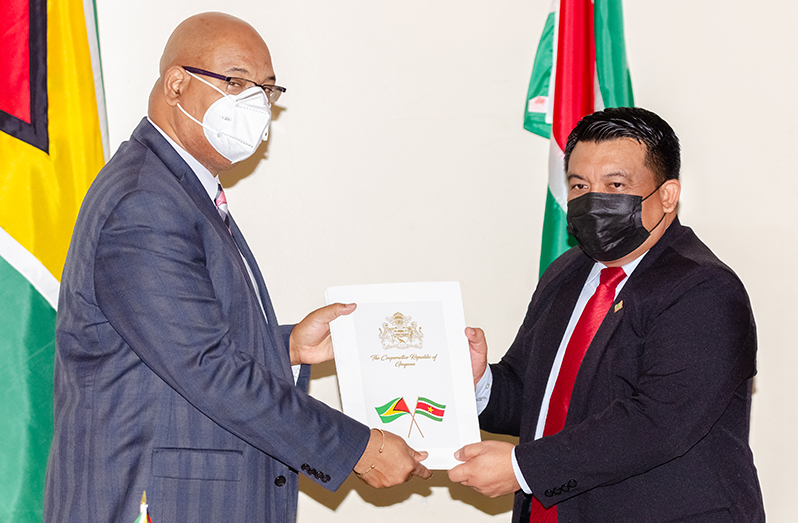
<point>624,155</point>
<point>245,58</point>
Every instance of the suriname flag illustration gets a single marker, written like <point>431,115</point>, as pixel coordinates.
<point>430,409</point>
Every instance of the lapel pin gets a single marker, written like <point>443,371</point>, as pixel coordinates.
<point>618,306</point>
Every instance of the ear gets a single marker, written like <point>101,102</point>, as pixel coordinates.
<point>669,195</point>
<point>175,80</point>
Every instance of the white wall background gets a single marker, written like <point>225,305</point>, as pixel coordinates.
<point>399,155</point>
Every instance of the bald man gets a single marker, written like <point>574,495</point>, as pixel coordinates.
<point>172,374</point>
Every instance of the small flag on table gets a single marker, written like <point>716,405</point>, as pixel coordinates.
<point>144,517</point>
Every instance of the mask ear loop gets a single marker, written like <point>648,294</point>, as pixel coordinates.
<point>663,214</point>
<point>195,120</point>
<point>657,225</point>
<point>265,135</point>
<point>208,84</point>
<point>191,117</point>
<point>652,192</point>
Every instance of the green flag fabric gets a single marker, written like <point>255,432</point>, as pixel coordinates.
<point>582,46</point>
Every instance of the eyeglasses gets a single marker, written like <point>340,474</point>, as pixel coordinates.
<point>238,85</point>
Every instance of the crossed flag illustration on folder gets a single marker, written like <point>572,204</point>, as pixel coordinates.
<point>397,408</point>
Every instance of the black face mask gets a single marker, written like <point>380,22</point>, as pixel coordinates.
<point>608,226</point>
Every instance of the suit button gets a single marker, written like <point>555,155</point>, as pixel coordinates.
<point>319,474</point>
<point>305,467</point>
<point>572,483</point>
<point>557,490</point>
<point>549,493</point>
<point>326,478</point>
<point>279,481</point>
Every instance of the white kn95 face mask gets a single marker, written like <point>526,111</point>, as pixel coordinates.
<point>235,125</point>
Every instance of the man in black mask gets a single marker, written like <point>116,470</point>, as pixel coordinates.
<point>629,382</point>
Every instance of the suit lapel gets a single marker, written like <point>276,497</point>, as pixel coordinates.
<point>271,317</point>
<point>237,246</point>
<point>553,328</point>
<point>589,369</point>
<point>150,137</point>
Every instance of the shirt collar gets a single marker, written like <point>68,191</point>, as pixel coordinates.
<point>208,181</point>
<point>627,269</point>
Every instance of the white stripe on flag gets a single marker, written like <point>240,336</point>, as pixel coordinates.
<point>30,267</point>
<point>558,186</point>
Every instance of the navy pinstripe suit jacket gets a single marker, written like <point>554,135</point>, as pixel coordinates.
<point>167,377</point>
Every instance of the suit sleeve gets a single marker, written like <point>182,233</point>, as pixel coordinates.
<point>510,394</point>
<point>503,413</point>
<point>153,286</point>
<point>693,357</point>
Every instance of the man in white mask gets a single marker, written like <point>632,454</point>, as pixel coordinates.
<point>172,375</point>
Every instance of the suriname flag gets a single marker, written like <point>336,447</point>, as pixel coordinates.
<point>52,129</point>
<point>580,67</point>
<point>430,409</point>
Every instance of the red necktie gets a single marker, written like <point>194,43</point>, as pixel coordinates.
<point>594,313</point>
<point>221,205</point>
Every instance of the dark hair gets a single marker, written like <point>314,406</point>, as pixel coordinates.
<point>662,144</point>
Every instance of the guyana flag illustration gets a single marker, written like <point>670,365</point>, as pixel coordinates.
<point>430,409</point>
<point>52,124</point>
<point>392,410</point>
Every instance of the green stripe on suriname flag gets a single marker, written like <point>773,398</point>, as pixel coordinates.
<point>582,46</point>
<point>430,409</point>
<point>392,410</point>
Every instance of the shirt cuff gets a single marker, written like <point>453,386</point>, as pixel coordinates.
<point>482,391</point>
<point>518,476</point>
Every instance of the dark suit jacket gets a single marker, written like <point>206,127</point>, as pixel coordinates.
<point>657,426</point>
<point>167,377</point>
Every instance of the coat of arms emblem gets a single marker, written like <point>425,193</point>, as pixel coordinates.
<point>399,332</point>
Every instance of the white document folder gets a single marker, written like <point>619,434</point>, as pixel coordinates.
<point>403,365</point>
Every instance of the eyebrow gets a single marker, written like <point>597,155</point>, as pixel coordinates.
<point>245,71</point>
<point>614,174</point>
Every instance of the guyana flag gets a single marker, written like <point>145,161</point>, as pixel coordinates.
<point>430,409</point>
<point>392,410</point>
<point>144,516</point>
<point>52,128</point>
<point>580,67</point>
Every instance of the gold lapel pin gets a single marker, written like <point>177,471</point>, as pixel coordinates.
<point>618,306</point>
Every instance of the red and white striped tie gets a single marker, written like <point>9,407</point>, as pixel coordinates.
<point>221,206</point>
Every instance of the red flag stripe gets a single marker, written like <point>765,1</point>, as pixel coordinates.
<point>576,66</point>
<point>15,59</point>
<point>429,408</point>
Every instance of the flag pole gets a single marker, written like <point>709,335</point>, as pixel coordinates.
<point>413,420</point>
